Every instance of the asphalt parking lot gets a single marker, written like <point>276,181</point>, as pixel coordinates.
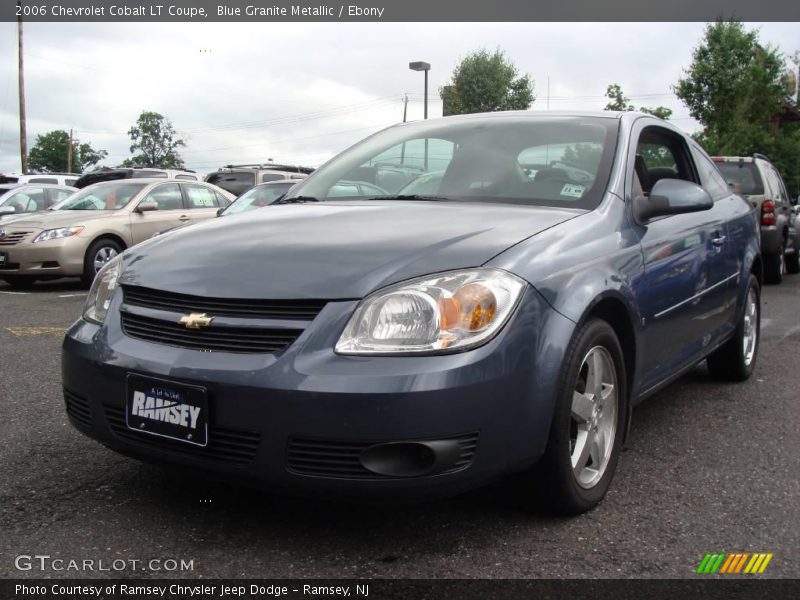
<point>708,467</point>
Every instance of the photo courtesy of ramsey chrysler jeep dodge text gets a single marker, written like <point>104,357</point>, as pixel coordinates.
<point>558,269</point>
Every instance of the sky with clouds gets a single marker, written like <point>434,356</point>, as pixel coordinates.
<point>301,92</point>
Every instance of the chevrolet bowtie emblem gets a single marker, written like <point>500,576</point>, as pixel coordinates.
<point>196,320</point>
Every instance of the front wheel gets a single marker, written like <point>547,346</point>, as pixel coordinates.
<point>588,424</point>
<point>99,253</point>
<point>736,358</point>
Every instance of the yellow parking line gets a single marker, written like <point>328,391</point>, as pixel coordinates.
<point>23,331</point>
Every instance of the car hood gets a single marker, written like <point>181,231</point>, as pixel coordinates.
<point>61,218</point>
<point>331,250</point>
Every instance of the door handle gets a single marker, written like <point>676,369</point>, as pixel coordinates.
<point>718,241</point>
<point>184,218</point>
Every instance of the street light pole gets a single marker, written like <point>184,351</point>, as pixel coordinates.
<point>422,66</point>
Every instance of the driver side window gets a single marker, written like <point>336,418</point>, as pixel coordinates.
<point>168,197</point>
<point>661,154</point>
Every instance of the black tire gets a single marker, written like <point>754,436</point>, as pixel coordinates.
<point>774,268</point>
<point>90,259</point>
<point>21,282</point>
<point>555,484</point>
<point>730,362</point>
<point>793,262</point>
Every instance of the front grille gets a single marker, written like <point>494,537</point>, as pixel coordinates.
<point>78,408</point>
<point>340,459</point>
<point>9,267</point>
<point>211,339</point>
<point>14,237</point>
<point>230,446</point>
<point>223,307</point>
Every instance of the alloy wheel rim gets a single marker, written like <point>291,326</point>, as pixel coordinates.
<point>102,256</point>
<point>593,417</point>
<point>750,327</point>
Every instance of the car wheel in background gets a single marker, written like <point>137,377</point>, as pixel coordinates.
<point>20,281</point>
<point>774,268</point>
<point>735,360</point>
<point>99,253</point>
<point>588,423</point>
<point>793,261</point>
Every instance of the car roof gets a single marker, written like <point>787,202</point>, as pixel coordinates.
<point>28,184</point>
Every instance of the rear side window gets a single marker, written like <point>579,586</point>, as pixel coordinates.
<point>200,196</point>
<point>710,176</point>
<point>186,177</point>
<point>143,174</point>
<point>271,177</point>
<point>744,176</point>
<point>70,181</point>
<point>43,180</point>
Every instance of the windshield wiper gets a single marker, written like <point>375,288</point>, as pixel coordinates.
<point>409,197</point>
<point>296,200</point>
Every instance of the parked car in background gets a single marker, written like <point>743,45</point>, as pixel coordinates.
<point>107,174</point>
<point>259,196</point>
<point>97,223</point>
<point>54,178</point>
<point>237,179</point>
<point>20,198</point>
<point>757,179</point>
<point>386,346</point>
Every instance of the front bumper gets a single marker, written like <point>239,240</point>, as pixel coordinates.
<point>495,402</point>
<point>54,258</point>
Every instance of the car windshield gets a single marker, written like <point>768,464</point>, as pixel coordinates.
<point>545,161</point>
<point>743,175</point>
<point>102,197</point>
<point>262,195</point>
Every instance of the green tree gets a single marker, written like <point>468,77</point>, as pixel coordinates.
<point>734,88</point>
<point>154,137</point>
<point>486,82</point>
<point>662,112</point>
<point>49,154</point>
<point>619,102</point>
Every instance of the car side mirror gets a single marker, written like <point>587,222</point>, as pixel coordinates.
<point>671,197</point>
<point>8,210</point>
<point>147,206</point>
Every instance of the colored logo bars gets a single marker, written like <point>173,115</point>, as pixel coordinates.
<point>728,563</point>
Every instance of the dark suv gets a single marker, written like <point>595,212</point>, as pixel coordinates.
<point>237,179</point>
<point>757,179</point>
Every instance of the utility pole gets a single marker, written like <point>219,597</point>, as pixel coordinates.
<point>23,130</point>
<point>69,153</point>
<point>405,108</point>
<point>548,92</point>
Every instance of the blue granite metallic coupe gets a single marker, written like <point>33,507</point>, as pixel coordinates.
<point>559,269</point>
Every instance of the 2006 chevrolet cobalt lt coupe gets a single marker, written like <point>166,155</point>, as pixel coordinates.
<point>564,268</point>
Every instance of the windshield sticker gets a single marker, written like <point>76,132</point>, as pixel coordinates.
<point>573,191</point>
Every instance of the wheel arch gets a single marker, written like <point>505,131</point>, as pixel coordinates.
<point>613,309</point>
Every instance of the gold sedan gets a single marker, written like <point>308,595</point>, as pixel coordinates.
<point>83,232</point>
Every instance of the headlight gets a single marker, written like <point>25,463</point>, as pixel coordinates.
<point>54,234</point>
<point>102,291</point>
<point>435,314</point>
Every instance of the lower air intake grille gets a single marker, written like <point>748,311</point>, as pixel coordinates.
<point>78,409</point>
<point>213,338</point>
<point>341,459</point>
<point>224,445</point>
